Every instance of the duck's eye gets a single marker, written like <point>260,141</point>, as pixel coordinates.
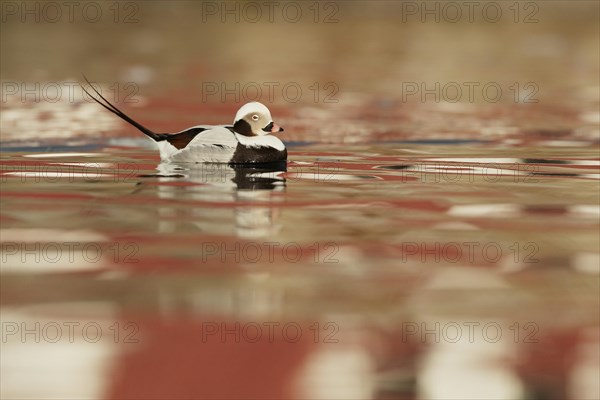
<point>255,117</point>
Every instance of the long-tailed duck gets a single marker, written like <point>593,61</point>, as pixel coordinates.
<point>247,141</point>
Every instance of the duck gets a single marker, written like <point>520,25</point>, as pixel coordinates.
<point>247,141</point>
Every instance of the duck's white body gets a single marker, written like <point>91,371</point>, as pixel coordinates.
<point>219,144</point>
<point>247,141</point>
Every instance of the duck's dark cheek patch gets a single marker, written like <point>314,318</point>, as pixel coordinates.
<point>268,128</point>
<point>243,128</point>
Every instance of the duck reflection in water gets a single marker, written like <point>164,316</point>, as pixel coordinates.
<point>246,190</point>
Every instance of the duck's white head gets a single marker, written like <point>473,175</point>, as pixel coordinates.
<point>254,119</point>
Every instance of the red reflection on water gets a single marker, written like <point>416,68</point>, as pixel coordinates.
<point>178,358</point>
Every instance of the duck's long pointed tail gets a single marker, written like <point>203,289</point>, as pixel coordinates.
<point>110,107</point>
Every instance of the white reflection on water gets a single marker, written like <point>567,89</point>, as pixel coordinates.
<point>37,367</point>
<point>484,210</point>
<point>584,383</point>
<point>466,369</point>
<point>226,185</point>
<point>337,371</point>
<point>52,250</point>
<point>67,118</point>
<point>588,263</point>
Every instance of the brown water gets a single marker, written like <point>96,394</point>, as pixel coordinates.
<point>413,248</point>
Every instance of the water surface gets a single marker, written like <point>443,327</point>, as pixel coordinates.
<point>396,270</point>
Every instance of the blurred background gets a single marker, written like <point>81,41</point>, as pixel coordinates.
<point>415,130</point>
<point>530,65</point>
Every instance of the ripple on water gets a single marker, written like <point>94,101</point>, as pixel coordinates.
<point>368,244</point>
